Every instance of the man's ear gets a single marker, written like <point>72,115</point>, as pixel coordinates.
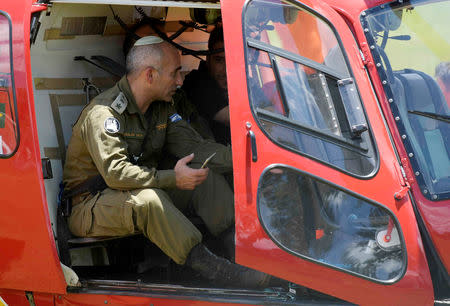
<point>151,74</point>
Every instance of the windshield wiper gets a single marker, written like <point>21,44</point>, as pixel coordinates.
<point>444,118</point>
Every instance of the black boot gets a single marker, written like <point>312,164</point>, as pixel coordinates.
<point>228,242</point>
<point>223,271</point>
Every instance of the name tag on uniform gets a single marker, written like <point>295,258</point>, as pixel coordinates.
<point>133,135</point>
<point>175,117</point>
<point>161,126</point>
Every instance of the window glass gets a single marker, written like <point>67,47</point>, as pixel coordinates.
<point>418,84</point>
<point>300,88</point>
<point>284,26</point>
<point>311,219</point>
<point>8,127</point>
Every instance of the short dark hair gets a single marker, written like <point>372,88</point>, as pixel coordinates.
<point>215,37</point>
<point>443,73</point>
<point>142,56</point>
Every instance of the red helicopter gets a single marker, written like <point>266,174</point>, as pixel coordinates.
<point>339,117</point>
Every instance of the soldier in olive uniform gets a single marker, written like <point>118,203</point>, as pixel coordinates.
<point>113,138</point>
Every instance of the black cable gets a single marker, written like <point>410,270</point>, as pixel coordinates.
<point>151,22</point>
<point>179,32</point>
<point>141,11</point>
<point>179,47</point>
<point>123,25</point>
<point>194,25</point>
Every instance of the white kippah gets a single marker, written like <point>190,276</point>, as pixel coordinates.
<point>148,40</point>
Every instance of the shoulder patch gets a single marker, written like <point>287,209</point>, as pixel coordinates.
<point>175,117</point>
<point>112,125</point>
<point>120,103</point>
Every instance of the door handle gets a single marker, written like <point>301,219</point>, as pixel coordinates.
<point>253,145</point>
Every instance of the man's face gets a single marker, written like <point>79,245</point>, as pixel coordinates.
<point>169,75</point>
<point>217,66</point>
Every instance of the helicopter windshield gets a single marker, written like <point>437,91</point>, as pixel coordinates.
<point>410,43</point>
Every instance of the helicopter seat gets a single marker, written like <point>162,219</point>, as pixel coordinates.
<point>418,92</point>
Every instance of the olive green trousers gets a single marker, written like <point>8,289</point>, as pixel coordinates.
<point>157,214</point>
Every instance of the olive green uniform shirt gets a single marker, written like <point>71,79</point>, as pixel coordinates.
<point>113,138</point>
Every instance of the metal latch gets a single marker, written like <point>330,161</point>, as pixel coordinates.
<point>358,129</point>
<point>401,176</point>
<point>365,54</point>
<point>402,192</point>
<point>47,168</point>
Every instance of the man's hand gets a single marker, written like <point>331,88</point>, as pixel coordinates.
<point>187,178</point>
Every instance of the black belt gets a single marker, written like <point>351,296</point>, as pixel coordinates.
<point>74,196</point>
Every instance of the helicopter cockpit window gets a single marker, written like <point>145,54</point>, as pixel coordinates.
<point>317,221</point>
<point>300,87</point>
<point>9,132</point>
<point>411,41</point>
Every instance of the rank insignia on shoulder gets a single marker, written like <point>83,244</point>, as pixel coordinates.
<point>120,103</point>
<point>112,125</point>
<point>175,117</point>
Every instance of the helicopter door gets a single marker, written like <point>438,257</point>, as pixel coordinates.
<point>28,257</point>
<point>314,170</point>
